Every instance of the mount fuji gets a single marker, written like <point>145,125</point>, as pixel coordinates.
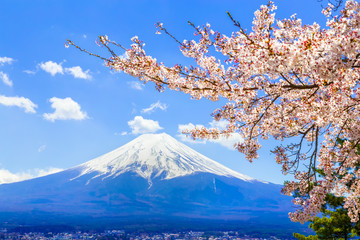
<point>152,178</point>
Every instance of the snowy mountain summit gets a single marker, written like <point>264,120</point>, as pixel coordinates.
<point>155,156</point>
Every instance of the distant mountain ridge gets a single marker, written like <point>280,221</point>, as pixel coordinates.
<point>153,178</point>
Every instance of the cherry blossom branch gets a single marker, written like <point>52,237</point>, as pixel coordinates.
<point>282,79</point>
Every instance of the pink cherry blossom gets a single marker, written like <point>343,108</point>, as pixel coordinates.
<point>282,80</point>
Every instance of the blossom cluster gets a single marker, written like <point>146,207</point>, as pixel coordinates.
<point>282,79</point>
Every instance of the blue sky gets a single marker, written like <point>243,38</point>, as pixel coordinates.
<point>61,107</point>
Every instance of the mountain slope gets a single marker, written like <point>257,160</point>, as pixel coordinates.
<point>152,178</point>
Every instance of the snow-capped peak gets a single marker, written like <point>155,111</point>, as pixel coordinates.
<point>156,155</point>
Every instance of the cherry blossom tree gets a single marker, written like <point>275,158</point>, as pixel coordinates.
<point>283,80</point>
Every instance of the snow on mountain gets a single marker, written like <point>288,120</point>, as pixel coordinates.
<point>155,156</point>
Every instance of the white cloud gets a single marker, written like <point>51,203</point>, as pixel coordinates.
<point>42,148</point>
<point>84,36</point>
<point>5,79</point>
<point>185,138</point>
<point>140,125</point>
<point>65,109</point>
<point>228,142</point>
<point>56,68</point>
<point>4,60</point>
<point>136,85</point>
<point>20,102</point>
<point>29,72</point>
<point>8,177</point>
<point>120,134</point>
<point>219,124</point>
<point>154,106</point>
<point>77,72</point>
<point>52,67</point>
